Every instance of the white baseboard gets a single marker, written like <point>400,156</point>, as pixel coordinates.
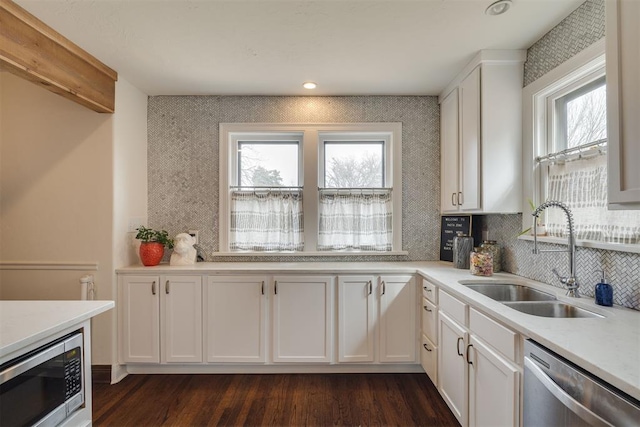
<point>273,369</point>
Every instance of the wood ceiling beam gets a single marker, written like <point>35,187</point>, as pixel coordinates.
<point>34,51</point>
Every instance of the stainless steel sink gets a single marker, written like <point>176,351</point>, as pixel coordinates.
<point>504,292</point>
<point>551,309</point>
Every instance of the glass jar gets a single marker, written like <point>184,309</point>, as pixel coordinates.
<point>462,245</point>
<point>495,249</point>
<point>481,262</point>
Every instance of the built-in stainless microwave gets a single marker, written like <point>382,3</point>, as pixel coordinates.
<point>45,386</point>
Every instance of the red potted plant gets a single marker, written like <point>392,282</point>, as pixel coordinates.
<point>152,245</point>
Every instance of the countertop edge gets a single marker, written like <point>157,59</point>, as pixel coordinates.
<point>93,309</point>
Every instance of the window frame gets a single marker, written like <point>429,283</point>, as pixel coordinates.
<point>538,135</point>
<point>310,179</point>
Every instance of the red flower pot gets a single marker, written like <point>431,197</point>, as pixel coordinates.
<point>151,253</point>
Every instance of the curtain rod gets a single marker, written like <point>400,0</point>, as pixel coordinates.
<point>581,150</point>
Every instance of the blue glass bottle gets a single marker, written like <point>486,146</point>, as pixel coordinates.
<point>604,292</point>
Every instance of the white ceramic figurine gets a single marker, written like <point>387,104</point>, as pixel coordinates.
<point>183,251</point>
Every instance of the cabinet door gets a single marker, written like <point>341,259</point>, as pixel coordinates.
<point>494,386</point>
<point>140,319</point>
<point>452,366</point>
<point>235,318</point>
<point>449,144</point>
<point>181,299</point>
<point>397,316</point>
<point>302,318</point>
<point>623,103</point>
<point>470,141</point>
<point>355,318</point>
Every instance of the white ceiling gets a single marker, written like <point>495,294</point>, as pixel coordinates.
<point>270,47</point>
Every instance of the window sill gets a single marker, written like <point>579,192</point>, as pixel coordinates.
<point>310,254</point>
<point>586,244</point>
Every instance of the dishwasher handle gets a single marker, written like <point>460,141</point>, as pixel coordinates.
<point>568,401</point>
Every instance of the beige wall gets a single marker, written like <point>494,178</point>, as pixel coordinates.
<point>60,200</point>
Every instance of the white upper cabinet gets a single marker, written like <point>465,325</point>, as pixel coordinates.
<point>481,136</point>
<point>623,103</point>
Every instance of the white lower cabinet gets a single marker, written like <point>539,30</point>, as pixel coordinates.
<point>356,318</point>
<point>453,377</point>
<point>479,383</point>
<point>161,319</point>
<point>393,319</point>
<point>429,358</point>
<point>494,386</point>
<point>139,312</point>
<point>397,319</point>
<point>235,318</point>
<point>302,319</point>
<point>181,330</point>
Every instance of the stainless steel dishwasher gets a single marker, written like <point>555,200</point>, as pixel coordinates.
<point>559,393</point>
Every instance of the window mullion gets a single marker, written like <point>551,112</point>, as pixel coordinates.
<point>310,191</point>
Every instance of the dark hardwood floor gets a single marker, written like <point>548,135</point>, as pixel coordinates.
<point>271,400</point>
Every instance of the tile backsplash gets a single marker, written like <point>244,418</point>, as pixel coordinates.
<point>183,159</point>
<point>622,268</point>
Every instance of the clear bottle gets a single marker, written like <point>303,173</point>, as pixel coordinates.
<point>496,251</point>
<point>462,245</point>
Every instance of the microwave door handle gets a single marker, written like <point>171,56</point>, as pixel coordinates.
<point>568,401</point>
<point>35,360</point>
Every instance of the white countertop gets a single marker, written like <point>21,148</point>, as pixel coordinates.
<point>608,347</point>
<point>25,322</point>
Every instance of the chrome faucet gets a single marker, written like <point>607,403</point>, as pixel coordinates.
<point>571,282</point>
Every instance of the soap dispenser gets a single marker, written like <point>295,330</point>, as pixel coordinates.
<point>604,292</point>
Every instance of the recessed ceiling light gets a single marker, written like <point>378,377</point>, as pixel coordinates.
<point>498,8</point>
<point>309,85</point>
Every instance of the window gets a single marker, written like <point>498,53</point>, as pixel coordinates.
<point>317,189</point>
<point>569,131</point>
<point>265,194</point>
<point>355,204</point>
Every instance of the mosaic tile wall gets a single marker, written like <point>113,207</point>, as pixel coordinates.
<point>183,159</point>
<point>579,30</point>
<point>622,268</point>
<point>583,27</point>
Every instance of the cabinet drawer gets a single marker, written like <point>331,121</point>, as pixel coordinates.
<point>429,358</point>
<point>455,308</point>
<point>429,320</point>
<point>501,338</point>
<point>429,291</point>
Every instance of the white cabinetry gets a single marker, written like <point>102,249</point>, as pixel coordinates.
<point>481,135</point>
<point>235,318</point>
<point>493,387</point>
<point>302,313</point>
<point>181,331</point>
<point>397,319</point>
<point>161,319</point>
<point>356,318</point>
<point>477,376</point>
<point>394,319</point>
<point>429,343</point>
<point>452,366</point>
<point>139,319</point>
<point>623,103</point>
